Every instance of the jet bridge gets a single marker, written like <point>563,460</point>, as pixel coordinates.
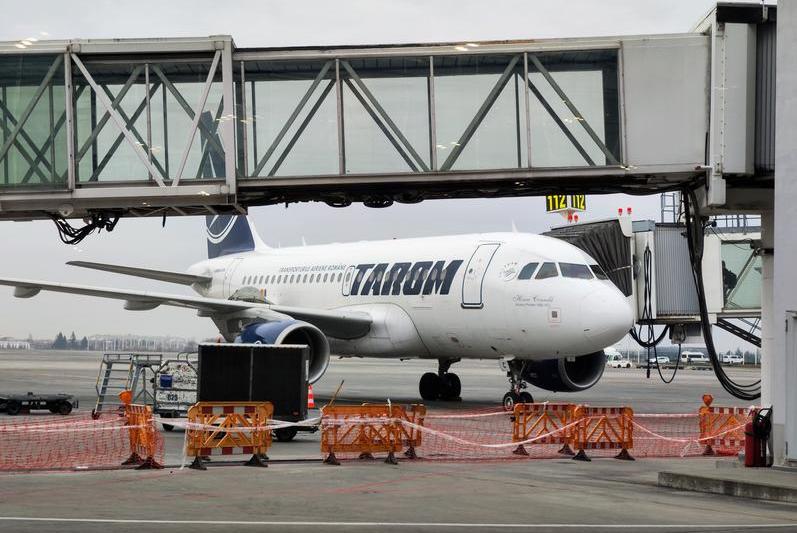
<point>149,127</point>
<point>649,263</point>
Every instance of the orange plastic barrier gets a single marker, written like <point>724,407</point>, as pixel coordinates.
<point>362,429</point>
<point>604,428</point>
<point>722,428</point>
<point>410,434</point>
<point>229,428</point>
<point>144,437</point>
<point>544,423</point>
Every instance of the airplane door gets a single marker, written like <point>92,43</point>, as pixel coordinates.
<point>474,275</point>
<point>347,279</point>
<point>228,275</point>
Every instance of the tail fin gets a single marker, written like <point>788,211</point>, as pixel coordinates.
<point>231,234</point>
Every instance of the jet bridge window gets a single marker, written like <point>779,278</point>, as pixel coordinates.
<point>527,271</point>
<point>574,270</point>
<point>598,271</point>
<point>547,270</point>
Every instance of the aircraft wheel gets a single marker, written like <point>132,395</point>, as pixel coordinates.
<point>452,386</point>
<point>525,397</point>
<point>430,386</point>
<point>510,399</point>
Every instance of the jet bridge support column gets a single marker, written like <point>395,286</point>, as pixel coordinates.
<point>782,374</point>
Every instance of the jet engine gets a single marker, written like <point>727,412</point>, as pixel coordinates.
<point>571,374</point>
<point>291,332</point>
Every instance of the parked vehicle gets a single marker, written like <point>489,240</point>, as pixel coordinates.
<point>662,361</point>
<point>693,357</point>
<point>619,363</point>
<point>732,359</point>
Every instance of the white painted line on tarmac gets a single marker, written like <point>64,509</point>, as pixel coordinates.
<point>464,525</point>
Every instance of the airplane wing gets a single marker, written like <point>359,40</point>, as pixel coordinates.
<point>159,275</point>
<point>340,324</point>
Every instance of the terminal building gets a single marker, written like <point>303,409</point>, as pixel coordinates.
<point>101,129</point>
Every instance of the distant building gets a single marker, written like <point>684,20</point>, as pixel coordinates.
<point>139,343</point>
<point>7,343</point>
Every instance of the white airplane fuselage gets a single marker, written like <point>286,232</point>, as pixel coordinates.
<point>440,297</point>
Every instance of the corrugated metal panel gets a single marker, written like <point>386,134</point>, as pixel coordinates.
<point>675,288</point>
<point>765,99</point>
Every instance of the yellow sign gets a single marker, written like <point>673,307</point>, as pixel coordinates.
<point>555,202</point>
<point>559,202</point>
<point>578,202</point>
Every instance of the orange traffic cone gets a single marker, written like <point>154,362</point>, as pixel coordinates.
<point>310,398</point>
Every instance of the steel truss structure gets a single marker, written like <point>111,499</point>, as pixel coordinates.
<point>191,126</point>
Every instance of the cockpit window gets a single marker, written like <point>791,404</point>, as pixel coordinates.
<point>547,270</point>
<point>599,272</point>
<point>527,271</point>
<point>573,270</point>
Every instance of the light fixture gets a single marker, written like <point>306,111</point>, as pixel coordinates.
<point>461,48</point>
<point>472,45</point>
<point>20,45</point>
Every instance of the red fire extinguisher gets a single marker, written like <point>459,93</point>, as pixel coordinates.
<point>756,435</point>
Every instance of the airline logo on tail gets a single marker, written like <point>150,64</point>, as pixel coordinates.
<point>228,234</point>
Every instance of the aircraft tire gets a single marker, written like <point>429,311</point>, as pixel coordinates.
<point>525,397</point>
<point>430,386</point>
<point>451,386</point>
<point>511,398</point>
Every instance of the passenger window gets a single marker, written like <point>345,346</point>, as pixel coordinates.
<point>304,279</point>
<point>599,272</point>
<point>573,270</point>
<point>340,276</point>
<point>547,270</point>
<point>260,281</point>
<point>325,278</point>
<point>527,271</point>
<point>291,279</point>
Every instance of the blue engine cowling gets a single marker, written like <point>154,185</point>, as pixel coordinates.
<point>291,332</point>
<point>568,374</point>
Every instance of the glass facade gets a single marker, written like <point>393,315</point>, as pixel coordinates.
<point>33,146</point>
<point>353,114</point>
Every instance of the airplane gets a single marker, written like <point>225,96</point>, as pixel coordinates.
<point>542,307</point>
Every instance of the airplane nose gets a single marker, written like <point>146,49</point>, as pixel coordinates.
<point>605,316</point>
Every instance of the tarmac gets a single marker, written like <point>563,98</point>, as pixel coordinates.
<point>297,493</point>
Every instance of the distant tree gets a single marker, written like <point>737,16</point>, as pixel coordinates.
<point>738,351</point>
<point>60,342</point>
<point>190,346</point>
<point>30,338</point>
<point>72,341</point>
<point>84,343</point>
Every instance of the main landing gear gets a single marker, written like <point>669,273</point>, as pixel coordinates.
<point>516,394</point>
<point>444,385</point>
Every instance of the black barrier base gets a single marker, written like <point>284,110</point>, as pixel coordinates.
<point>410,453</point>
<point>581,456</point>
<point>256,460</point>
<point>134,459</point>
<point>331,460</point>
<point>520,450</point>
<point>624,455</point>
<point>150,464</point>
<point>366,455</point>
<point>197,464</point>
<point>709,450</point>
<point>391,459</point>
<point>566,450</point>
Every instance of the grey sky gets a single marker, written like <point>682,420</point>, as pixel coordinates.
<point>32,250</point>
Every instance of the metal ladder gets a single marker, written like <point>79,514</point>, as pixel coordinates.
<point>125,371</point>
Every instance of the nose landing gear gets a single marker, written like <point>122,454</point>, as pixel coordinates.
<point>444,385</point>
<point>516,394</point>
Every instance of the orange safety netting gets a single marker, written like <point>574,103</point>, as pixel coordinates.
<point>492,434</point>
<point>67,442</point>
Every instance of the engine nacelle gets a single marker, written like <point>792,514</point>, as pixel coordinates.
<point>568,374</point>
<point>291,332</point>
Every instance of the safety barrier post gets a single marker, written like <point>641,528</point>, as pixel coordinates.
<point>602,428</point>
<point>721,426</point>
<point>411,435</point>
<point>363,429</point>
<point>143,437</point>
<point>546,423</point>
<point>229,428</point>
